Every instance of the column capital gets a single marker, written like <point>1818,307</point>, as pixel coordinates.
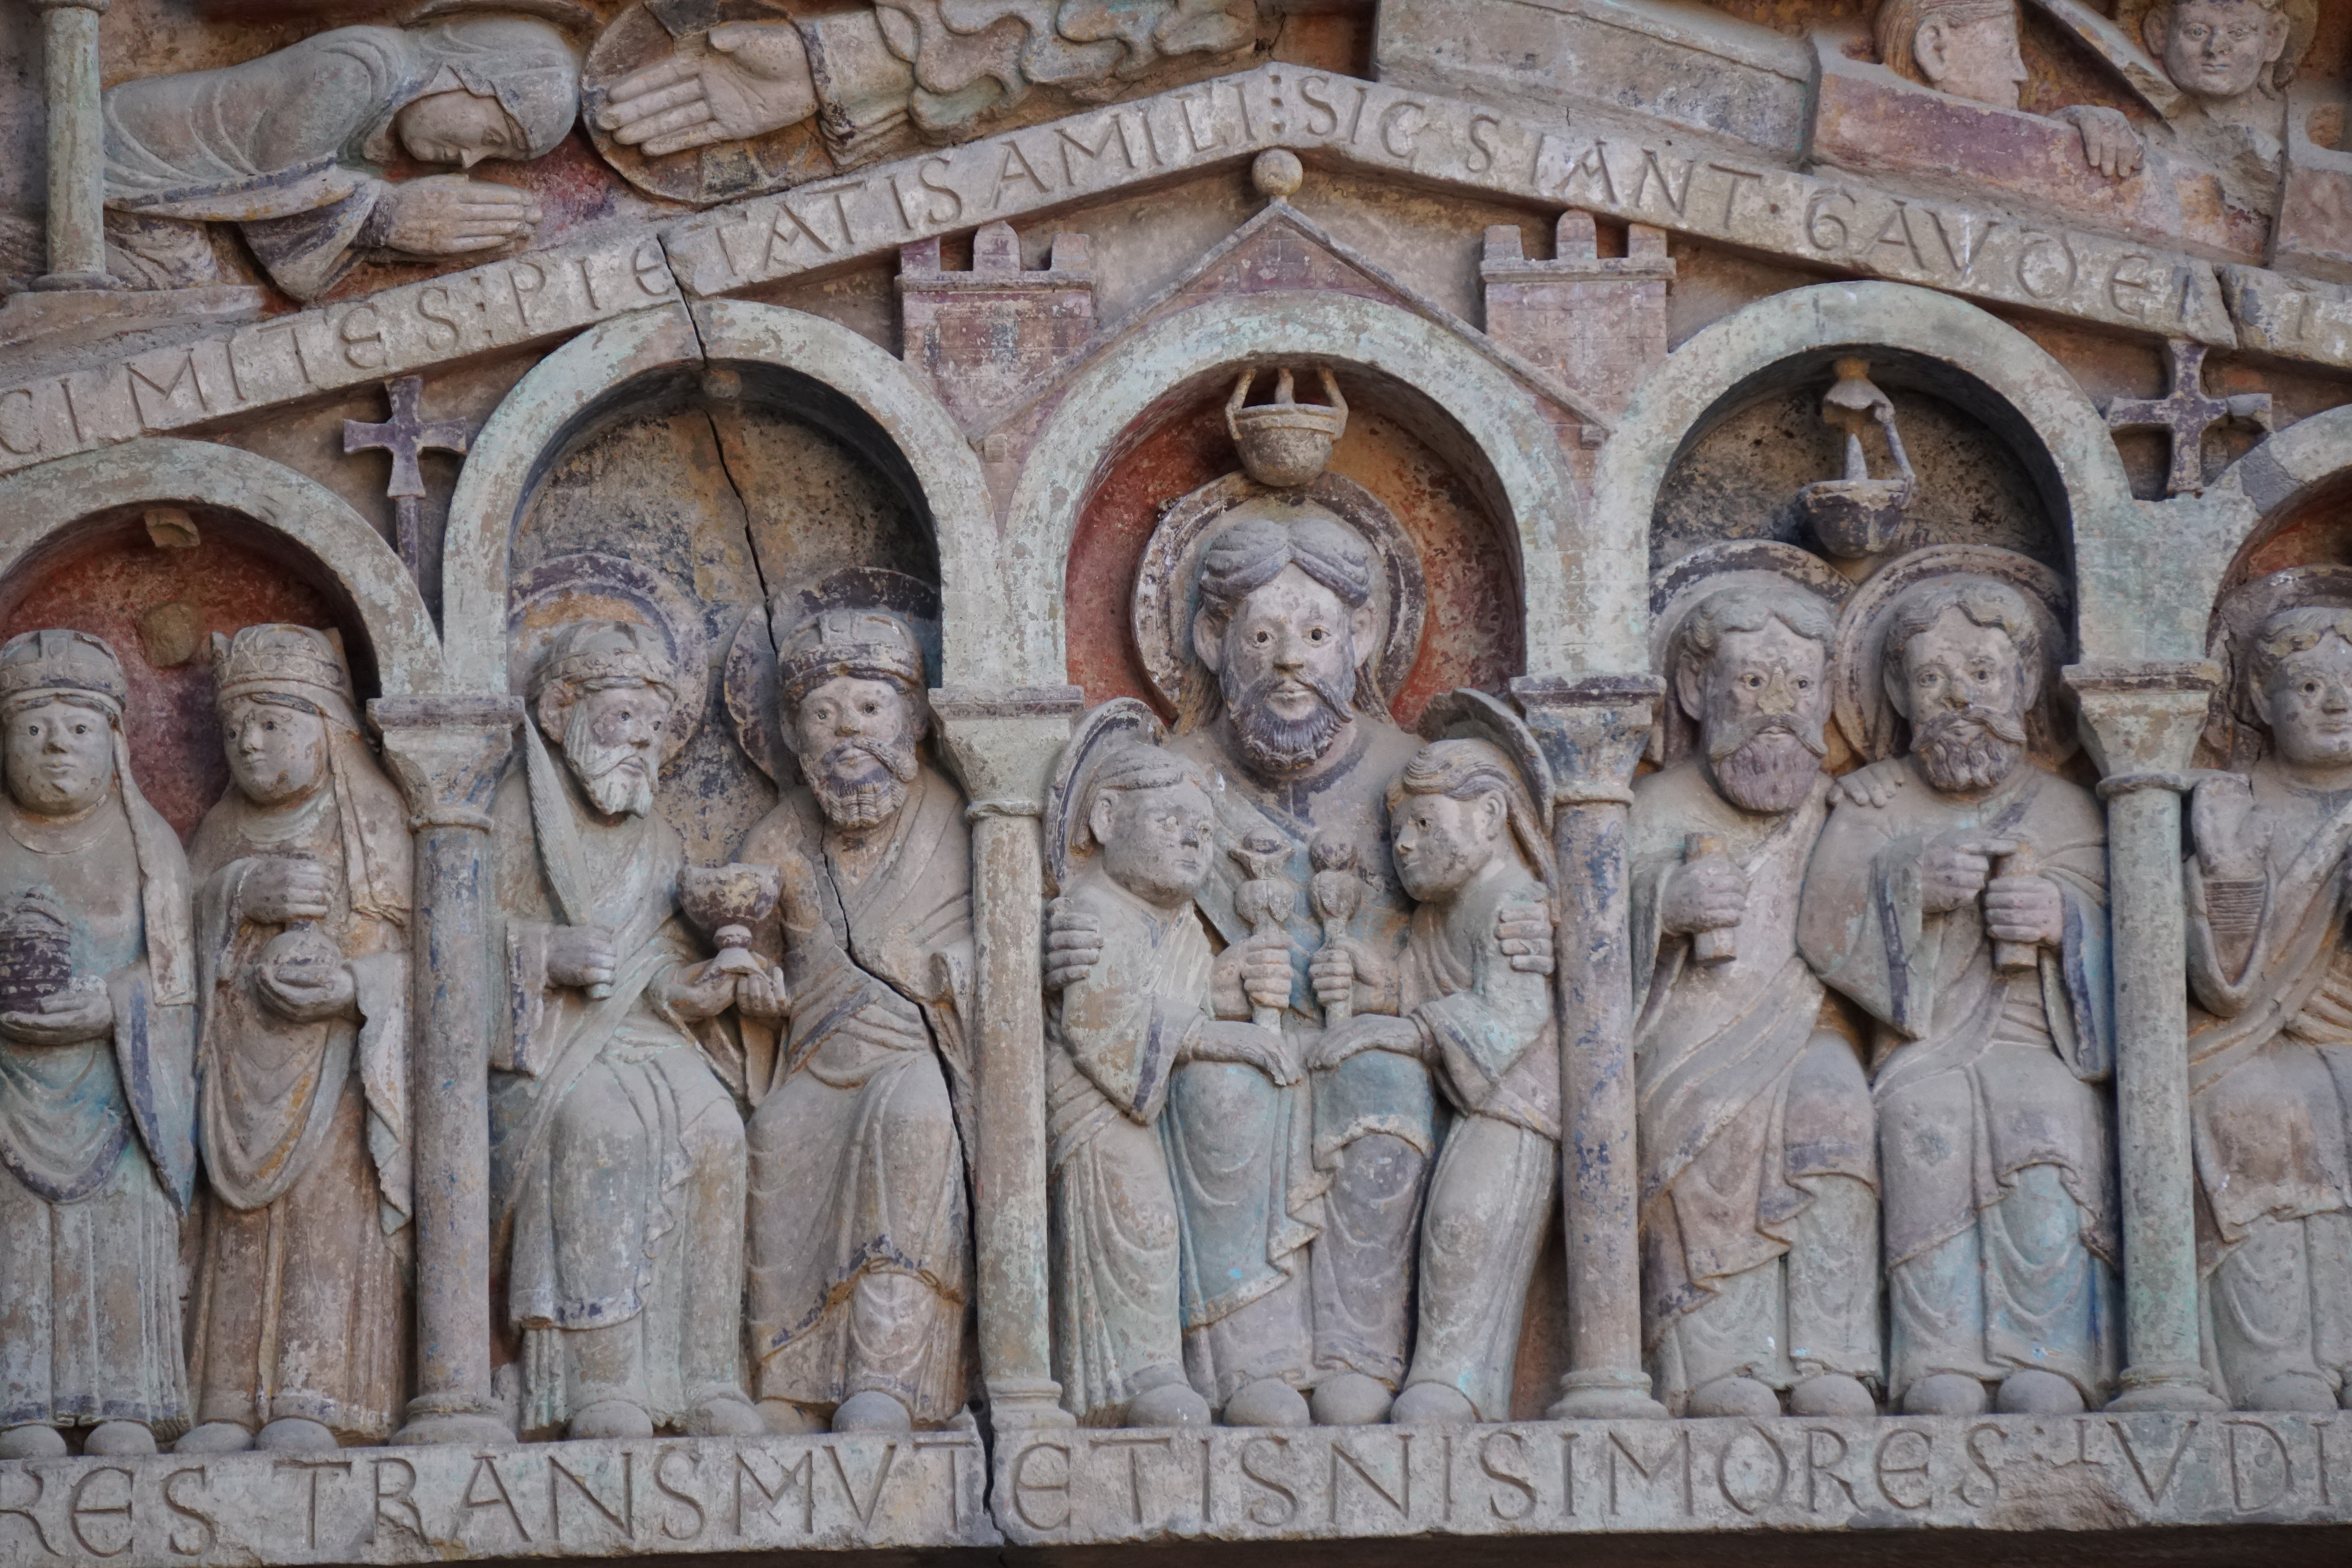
<point>446,752</point>
<point>1002,742</point>
<point>2142,718</point>
<point>1593,729</point>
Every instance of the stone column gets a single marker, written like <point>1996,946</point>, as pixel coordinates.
<point>76,145</point>
<point>1003,744</point>
<point>1592,730</point>
<point>447,753</point>
<point>2141,722</point>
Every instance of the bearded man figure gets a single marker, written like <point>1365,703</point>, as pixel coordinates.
<point>1994,1019</point>
<point>617,1152</point>
<point>855,1050</point>
<point>1759,1170</point>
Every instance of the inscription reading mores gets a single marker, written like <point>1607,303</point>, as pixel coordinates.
<point>1551,1476</point>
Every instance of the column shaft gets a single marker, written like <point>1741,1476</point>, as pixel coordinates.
<point>77,231</point>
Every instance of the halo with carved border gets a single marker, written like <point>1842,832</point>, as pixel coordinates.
<point>590,586</point>
<point>1120,720</point>
<point>747,685</point>
<point>2234,733</point>
<point>1677,589</point>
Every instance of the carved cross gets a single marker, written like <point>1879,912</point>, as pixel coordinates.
<point>2186,413</point>
<point>407,436</point>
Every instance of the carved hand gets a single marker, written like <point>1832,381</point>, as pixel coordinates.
<point>581,956</point>
<point>2024,909</point>
<point>762,996</point>
<point>1872,786</point>
<point>1710,894</point>
<point>754,80</point>
<point>1246,1044</point>
<point>2232,839</point>
<point>1361,1034</point>
<point>699,991</point>
<point>449,215</point>
<point>1254,972</point>
<point>1073,945</point>
<point>1952,873</point>
<point>1525,932</point>
<point>2110,145</point>
<point>1350,971</point>
<point>66,1018</point>
<point>278,890</point>
<point>301,992</point>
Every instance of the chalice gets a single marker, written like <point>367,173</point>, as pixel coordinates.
<point>727,901</point>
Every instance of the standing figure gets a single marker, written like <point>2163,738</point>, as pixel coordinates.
<point>1995,1021</point>
<point>2270,1045</point>
<point>1115,1041</point>
<point>298,1331</point>
<point>1468,840</point>
<point>1759,1166</point>
<point>616,1154</point>
<point>855,1054</point>
<point>97,1035</point>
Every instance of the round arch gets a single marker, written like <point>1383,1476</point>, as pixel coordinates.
<point>1571,592</point>
<point>587,376</point>
<point>42,503</point>
<point>2276,478</point>
<point>2114,551</point>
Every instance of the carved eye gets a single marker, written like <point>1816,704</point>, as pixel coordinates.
<point>2311,688</point>
<point>1804,682</point>
<point>1263,637</point>
<point>1752,681</point>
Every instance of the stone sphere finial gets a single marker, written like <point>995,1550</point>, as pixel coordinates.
<point>1278,173</point>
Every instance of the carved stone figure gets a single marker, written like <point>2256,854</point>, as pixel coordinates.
<point>1133,835</point>
<point>298,1331</point>
<point>617,1152</point>
<point>97,1039</point>
<point>2232,57</point>
<point>1760,1168</point>
<point>1989,985</point>
<point>855,1049</point>
<point>2269,1045</point>
<point>287,147</point>
<point>1469,840</point>
<point>1970,48</point>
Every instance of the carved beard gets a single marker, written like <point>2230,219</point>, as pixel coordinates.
<point>1274,745</point>
<point>1963,749</point>
<point>862,783</point>
<point>617,777</point>
<point>1764,764</point>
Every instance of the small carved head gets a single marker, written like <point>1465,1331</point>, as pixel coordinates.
<point>2218,48</point>
<point>1752,670</point>
<point>61,697</point>
<point>1963,665</point>
<point>506,88</point>
<point>280,687</point>
<point>603,691</point>
<point>852,685</point>
<point>1455,807</point>
<point>1285,624</point>
<point>2300,676</point>
<point>1148,810</point>
<point>1965,47</point>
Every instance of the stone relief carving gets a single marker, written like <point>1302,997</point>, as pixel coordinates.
<point>1958,898</point>
<point>96,1066</point>
<point>1759,1159</point>
<point>299,1322</point>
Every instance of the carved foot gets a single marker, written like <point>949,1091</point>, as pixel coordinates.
<point>1433,1404</point>
<point>610,1418</point>
<point>726,1418</point>
<point>1946,1394</point>
<point>293,1434</point>
<point>1351,1399</point>
<point>783,1418</point>
<point>1170,1405</point>
<point>213,1438</point>
<point>32,1443</point>
<point>2033,1392</point>
<point>1831,1394</point>
<point>871,1410</point>
<point>119,1438</point>
<point>1736,1397</point>
<point>1268,1402</point>
<point>2292,1390</point>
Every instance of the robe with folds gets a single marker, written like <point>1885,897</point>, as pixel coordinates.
<point>1999,1224</point>
<point>1496,1038</point>
<point>97,1153</point>
<point>860,1230</point>
<point>1112,1041</point>
<point>1748,1111</point>
<point>617,1152</point>
<point>301,1303</point>
<point>1335,1167</point>
<point>2269,1079</point>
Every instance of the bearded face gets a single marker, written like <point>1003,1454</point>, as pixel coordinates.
<point>1762,707</point>
<point>1286,667</point>
<point>612,739</point>
<point>857,746</point>
<point>1966,693</point>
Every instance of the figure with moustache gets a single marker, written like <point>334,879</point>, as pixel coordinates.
<point>2270,1042</point>
<point>617,1152</point>
<point>298,1331</point>
<point>1759,1169</point>
<point>855,1055</point>
<point>1999,1228</point>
